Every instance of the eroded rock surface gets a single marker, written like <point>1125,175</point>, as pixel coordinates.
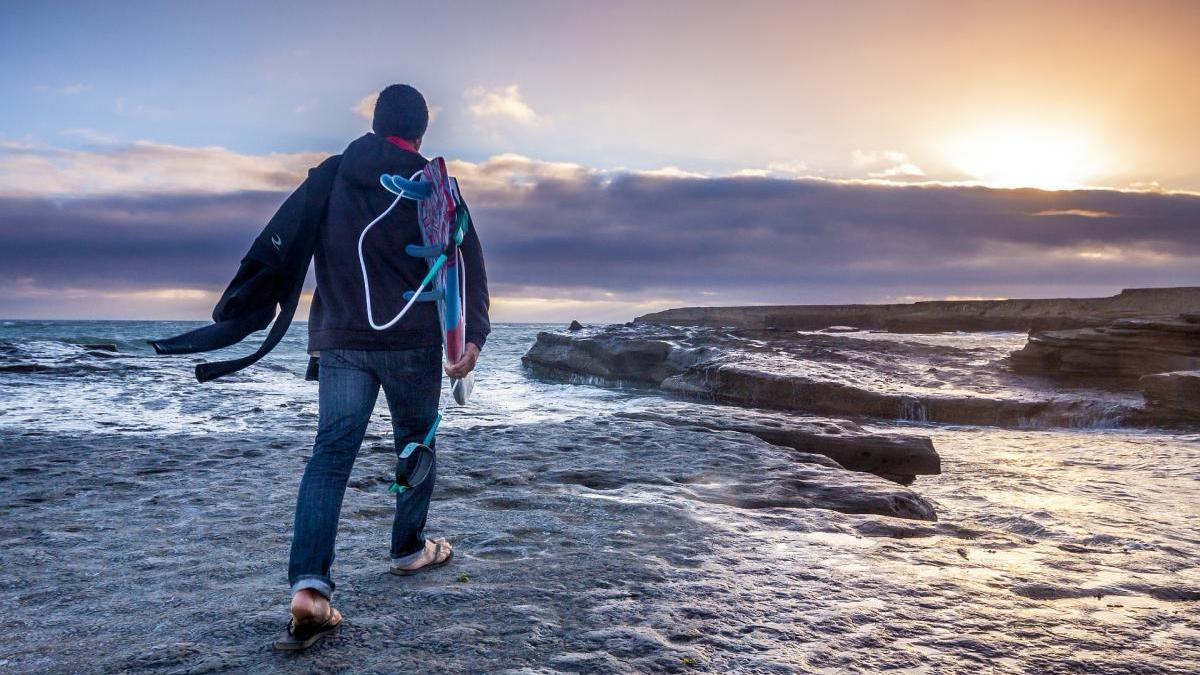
<point>113,561</point>
<point>856,375</point>
<point>1119,353</point>
<point>1172,397</point>
<point>943,315</point>
<point>620,358</point>
<point>894,456</point>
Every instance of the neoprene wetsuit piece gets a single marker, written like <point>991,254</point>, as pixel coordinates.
<point>271,273</point>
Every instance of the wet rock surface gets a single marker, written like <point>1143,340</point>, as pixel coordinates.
<point>1172,396</point>
<point>170,553</point>
<point>894,456</point>
<point>614,354</point>
<point>596,545</point>
<point>945,315</point>
<point>1117,354</point>
<point>945,379</point>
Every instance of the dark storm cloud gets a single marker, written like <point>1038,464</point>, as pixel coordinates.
<point>130,243</point>
<point>636,233</point>
<point>639,231</point>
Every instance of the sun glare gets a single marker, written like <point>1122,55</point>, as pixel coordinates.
<point>1026,157</point>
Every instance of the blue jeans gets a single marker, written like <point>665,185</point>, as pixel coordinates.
<point>349,386</point>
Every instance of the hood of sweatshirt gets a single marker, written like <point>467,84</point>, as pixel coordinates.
<point>370,155</point>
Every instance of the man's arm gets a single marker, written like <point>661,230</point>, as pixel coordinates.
<point>478,302</point>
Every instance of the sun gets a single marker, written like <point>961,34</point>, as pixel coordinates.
<point>1023,156</point>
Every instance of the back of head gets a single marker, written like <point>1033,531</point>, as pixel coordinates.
<point>400,111</point>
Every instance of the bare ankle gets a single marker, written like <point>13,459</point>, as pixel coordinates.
<point>306,602</point>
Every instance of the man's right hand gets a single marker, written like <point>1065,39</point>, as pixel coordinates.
<point>465,365</point>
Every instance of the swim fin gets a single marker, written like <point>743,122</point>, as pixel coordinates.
<point>462,388</point>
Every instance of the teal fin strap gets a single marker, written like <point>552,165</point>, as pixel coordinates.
<point>462,222</point>
<point>433,430</point>
<point>413,189</point>
<point>403,483</point>
<point>415,251</point>
<point>410,449</point>
<point>424,296</point>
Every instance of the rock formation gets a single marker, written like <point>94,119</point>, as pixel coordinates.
<point>897,457</point>
<point>614,357</point>
<point>944,315</point>
<point>1172,397</point>
<point>723,366</point>
<point>1120,352</point>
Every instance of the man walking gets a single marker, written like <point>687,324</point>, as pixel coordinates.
<point>355,360</point>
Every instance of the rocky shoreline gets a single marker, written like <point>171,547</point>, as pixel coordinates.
<point>1121,351</point>
<point>943,315</point>
<point>745,368</point>
<point>935,316</point>
<point>620,356</point>
<point>1159,357</point>
<point>1138,370</point>
<point>801,389</point>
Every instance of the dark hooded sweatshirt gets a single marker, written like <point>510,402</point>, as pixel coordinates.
<point>338,319</point>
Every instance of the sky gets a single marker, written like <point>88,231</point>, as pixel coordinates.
<point>619,157</point>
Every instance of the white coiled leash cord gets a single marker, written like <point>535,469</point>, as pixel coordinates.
<point>362,263</point>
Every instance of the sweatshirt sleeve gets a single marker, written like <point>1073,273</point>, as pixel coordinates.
<point>478,323</point>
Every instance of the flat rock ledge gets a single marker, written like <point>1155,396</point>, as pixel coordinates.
<point>611,360</point>
<point>746,386</point>
<point>1172,397</point>
<point>943,315</point>
<point>1118,353</point>
<point>667,360</point>
<point>897,457</point>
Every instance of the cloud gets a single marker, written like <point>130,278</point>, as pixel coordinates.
<point>1148,186</point>
<point>508,173</point>
<point>886,164</point>
<point>145,167</point>
<point>567,240</point>
<point>751,173</point>
<point>794,167</point>
<point>502,104</point>
<point>671,172</point>
<point>365,108</point>
<point>1082,213</point>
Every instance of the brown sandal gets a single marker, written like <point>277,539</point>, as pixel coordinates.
<point>438,561</point>
<point>302,636</point>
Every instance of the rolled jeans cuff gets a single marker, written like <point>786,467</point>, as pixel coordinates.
<point>406,560</point>
<point>322,586</point>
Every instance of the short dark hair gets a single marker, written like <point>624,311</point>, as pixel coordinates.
<point>400,111</point>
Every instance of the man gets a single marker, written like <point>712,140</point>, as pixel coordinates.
<point>355,360</point>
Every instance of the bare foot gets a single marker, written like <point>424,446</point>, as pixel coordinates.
<point>436,552</point>
<point>309,606</point>
<point>312,619</point>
